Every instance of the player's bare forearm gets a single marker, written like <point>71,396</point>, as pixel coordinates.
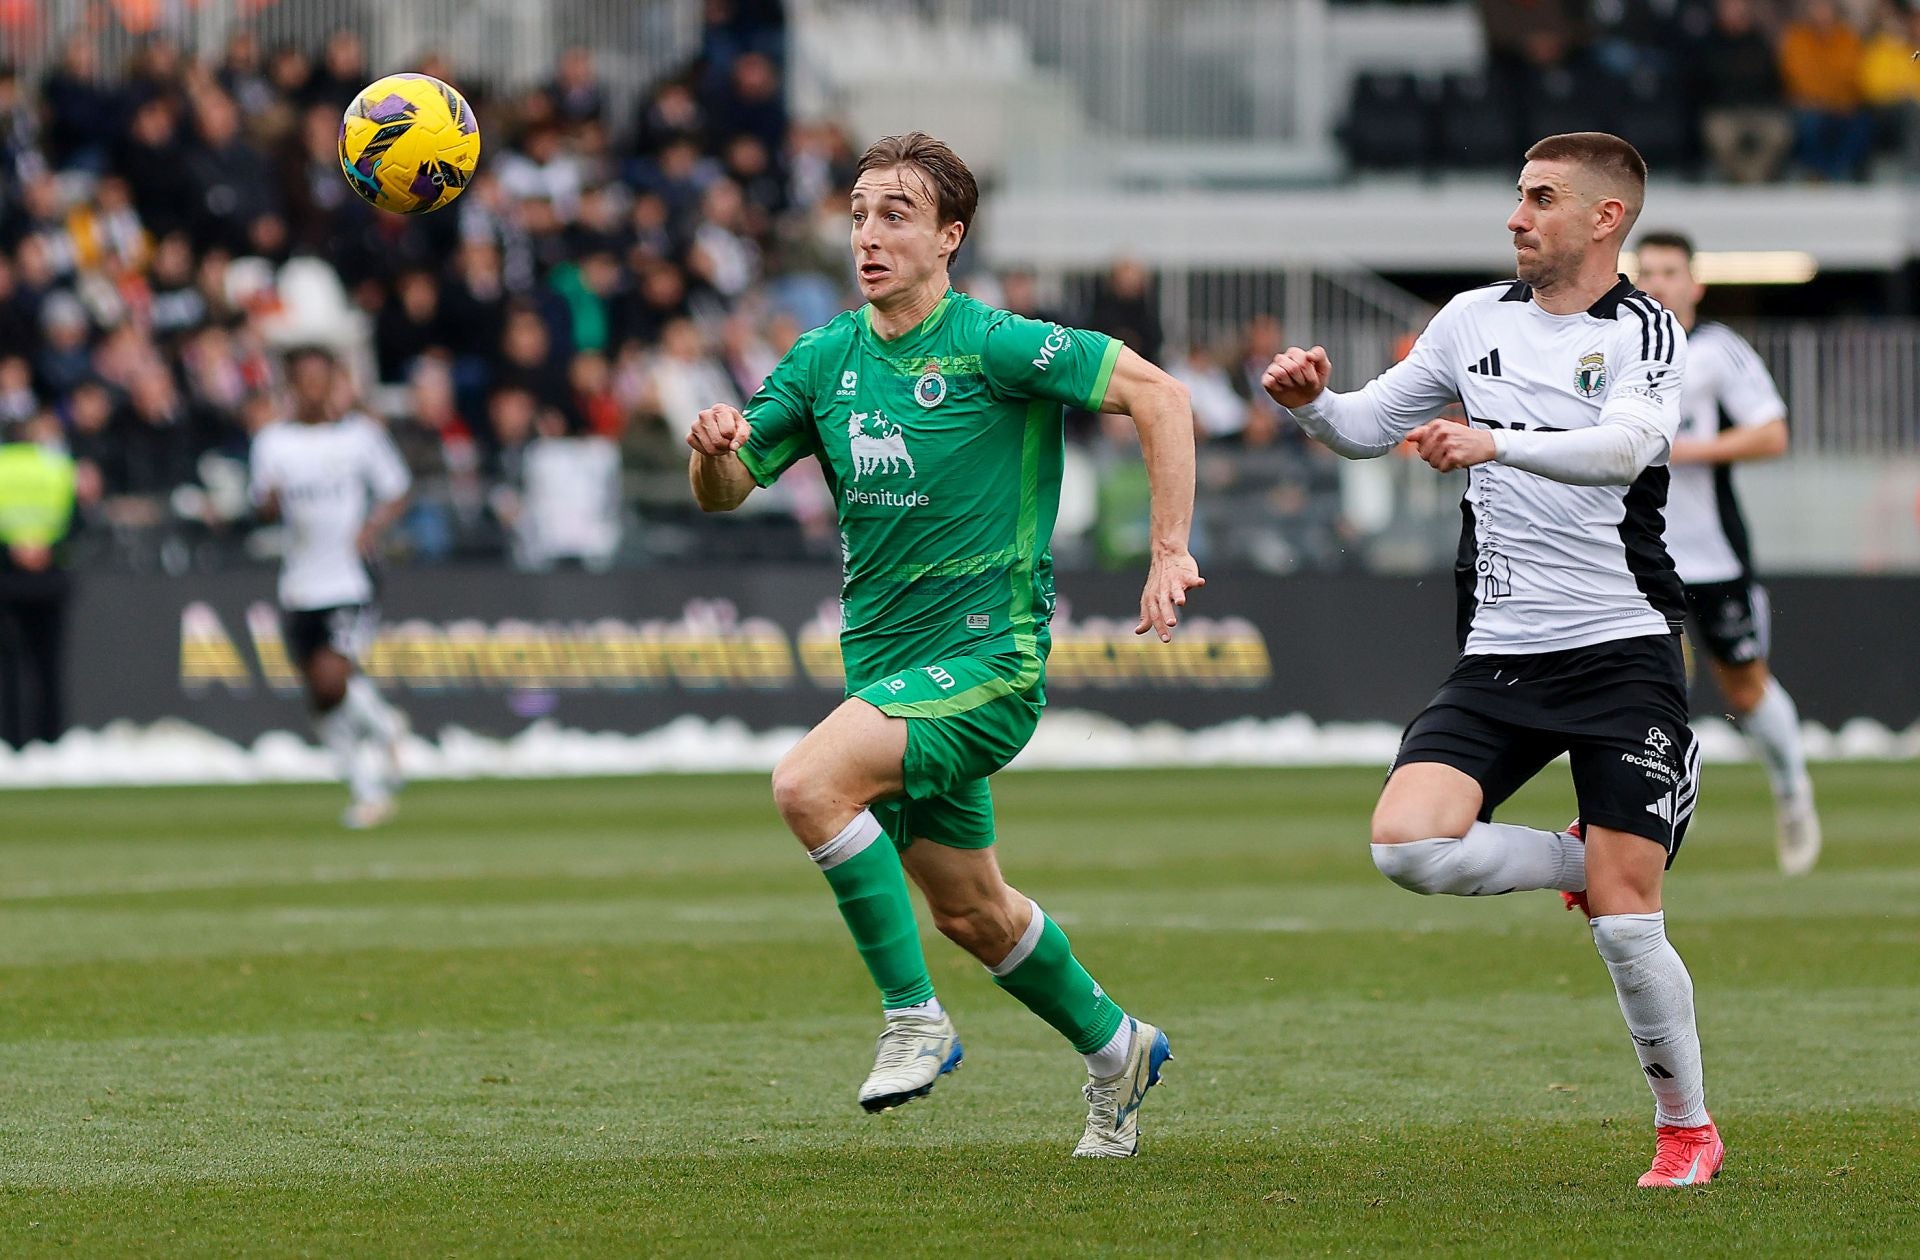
<point>379,521</point>
<point>720,480</point>
<point>1163,416</point>
<point>720,483</point>
<point>1761,441</point>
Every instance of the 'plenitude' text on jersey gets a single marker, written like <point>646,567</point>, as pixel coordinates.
<point>323,475</point>
<point>1727,387</point>
<point>1545,566</point>
<point>943,448</point>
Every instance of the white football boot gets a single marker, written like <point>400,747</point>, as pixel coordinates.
<point>1113,1102</point>
<point>913,1052</point>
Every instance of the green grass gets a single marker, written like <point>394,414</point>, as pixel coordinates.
<point>620,1018</point>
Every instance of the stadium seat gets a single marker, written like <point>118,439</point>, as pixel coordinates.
<point>1563,101</point>
<point>1473,127</point>
<point>1652,112</point>
<point>1389,122</point>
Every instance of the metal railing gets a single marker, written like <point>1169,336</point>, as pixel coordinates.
<point>1852,387</point>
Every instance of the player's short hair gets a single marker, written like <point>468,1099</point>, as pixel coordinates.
<point>957,195</point>
<point>1610,157</point>
<point>1668,240</point>
<point>296,354</point>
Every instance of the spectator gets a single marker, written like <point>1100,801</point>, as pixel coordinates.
<point>576,91</point>
<point>685,377</point>
<point>671,114</point>
<point>1524,39</point>
<point>528,362</point>
<point>1890,79</point>
<point>1820,66</point>
<point>232,183</point>
<point>82,116</point>
<point>542,169</point>
<point>157,441</point>
<point>341,74</point>
<point>409,325</point>
<point>64,360</point>
<point>37,487</point>
<point>176,306</point>
<point>153,161</point>
<point>1123,307</point>
<point>20,156</point>
<point>1219,412</point>
<point>724,255</point>
<point>752,104</point>
<point>1746,130</point>
<point>18,403</point>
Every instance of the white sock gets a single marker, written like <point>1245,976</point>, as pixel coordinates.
<point>341,734</point>
<point>1773,728</point>
<point>929,1009</point>
<point>373,716</point>
<point>1110,1058</point>
<point>1492,858</point>
<point>1656,996</point>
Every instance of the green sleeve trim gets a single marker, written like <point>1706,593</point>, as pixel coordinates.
<point>1098,394</point>
<point>766,469</point>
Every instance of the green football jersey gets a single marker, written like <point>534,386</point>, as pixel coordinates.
<point>943,447</point>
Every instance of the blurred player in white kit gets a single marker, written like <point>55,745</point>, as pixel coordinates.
<point>1730,412</point>
<point>333,477</point>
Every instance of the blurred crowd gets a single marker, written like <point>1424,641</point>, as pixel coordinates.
<point>1760,89</point>
<point>536,348</point>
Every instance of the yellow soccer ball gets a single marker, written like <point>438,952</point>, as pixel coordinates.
<point>409,143</point>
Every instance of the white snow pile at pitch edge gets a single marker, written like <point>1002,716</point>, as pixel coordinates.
<point>178,752</point>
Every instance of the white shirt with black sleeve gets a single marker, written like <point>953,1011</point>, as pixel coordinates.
<point>1561,543</point>
<point>1727,387</point>
<point>327,477</point>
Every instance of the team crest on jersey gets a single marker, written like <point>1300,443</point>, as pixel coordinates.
<point>931,389</point>
<point>877,444</point>
<point>1592,376</point>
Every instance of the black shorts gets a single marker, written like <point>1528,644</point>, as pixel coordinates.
<point>1732,621</point>
<point>347,629</point>
<point>1619,710</point>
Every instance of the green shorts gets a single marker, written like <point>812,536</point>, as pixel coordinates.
<point>966,718</point>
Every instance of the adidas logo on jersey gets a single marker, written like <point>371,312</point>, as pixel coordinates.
<point>1488,366</point>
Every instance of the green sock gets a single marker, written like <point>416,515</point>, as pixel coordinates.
<point>871,888</point>
<point>1052,984</point>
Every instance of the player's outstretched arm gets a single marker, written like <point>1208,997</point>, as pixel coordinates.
<point>1163,415</point>
<point>720,481</point>
<point>1361,425</point>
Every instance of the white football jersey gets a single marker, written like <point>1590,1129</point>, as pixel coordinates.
<point>1727,387</point>
<point>1545,566</point>
<point>327,478</point>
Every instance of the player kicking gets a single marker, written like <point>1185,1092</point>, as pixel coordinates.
<point>319,473</point>
<point>937,421</point>
<point>1729,412</point>
<point>1569,609</point>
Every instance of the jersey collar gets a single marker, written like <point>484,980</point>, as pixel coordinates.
<point>1608,307</point>
<point>913,334</point>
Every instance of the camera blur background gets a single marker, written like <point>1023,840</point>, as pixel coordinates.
<point>660,211</point>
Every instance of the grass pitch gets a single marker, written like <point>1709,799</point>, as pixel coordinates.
<point>621,1018</point>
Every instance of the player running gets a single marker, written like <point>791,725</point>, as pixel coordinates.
<point>1729,412</point>
<point>319,472</point>
<point>1569,609</point>
<point>938,423</point>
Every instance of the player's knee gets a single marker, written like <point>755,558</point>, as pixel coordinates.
<point>794,789</point>
<point>1442,864</point>
<point>1622,938</point>
<point>1744,694</point>
<point>326,684</point>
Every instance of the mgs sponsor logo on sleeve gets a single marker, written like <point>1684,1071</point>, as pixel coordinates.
<point>1056,342</point>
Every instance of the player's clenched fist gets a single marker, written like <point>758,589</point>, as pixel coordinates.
<point>719,430</point>
<point>1296,377</point>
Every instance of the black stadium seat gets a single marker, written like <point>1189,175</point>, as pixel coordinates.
<point>1389,122</point>
<point>1474,128</point>
<point>1652,113</point>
